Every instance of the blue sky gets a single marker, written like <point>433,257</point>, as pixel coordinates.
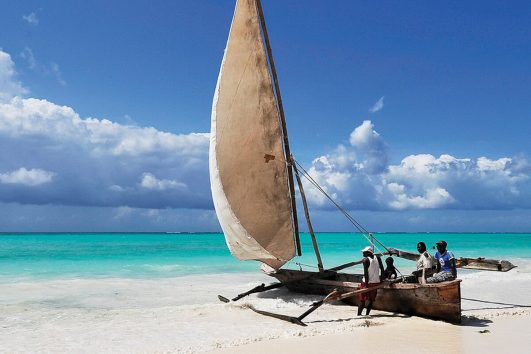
<point>415,116</point>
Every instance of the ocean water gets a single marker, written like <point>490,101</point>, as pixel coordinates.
<point>49,256</point>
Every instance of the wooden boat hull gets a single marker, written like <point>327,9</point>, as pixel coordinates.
<point>440,301</point>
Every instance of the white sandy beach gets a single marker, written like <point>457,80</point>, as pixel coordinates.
<point>183,315</point>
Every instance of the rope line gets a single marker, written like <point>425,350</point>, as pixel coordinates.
<point>358,226</point>
<point>349,217</point>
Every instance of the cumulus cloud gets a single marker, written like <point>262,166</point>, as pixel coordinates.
<point>32,177</point>
<point>378,106</point>
<point>32,19</point>
<point>95,162</point>
<point>9,85</point>
<point>40,118</point>
<point>53,156</point>
<point>151,182</point>
<point>371,147</point>
<point>359,176</point>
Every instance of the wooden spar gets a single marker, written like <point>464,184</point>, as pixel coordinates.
<point>484,264</point>
<point>334,296</point>
<point>346,265</point>
<point>307,215</point>
<point>287,152</point>
<point>258,289</point>
<point>464,262</point>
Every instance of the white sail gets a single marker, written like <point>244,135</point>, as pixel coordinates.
<point>248,172</point>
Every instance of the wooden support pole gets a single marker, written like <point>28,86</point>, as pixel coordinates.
<point>310,228</point>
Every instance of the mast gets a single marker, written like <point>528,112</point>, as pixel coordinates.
<point>283,124</point>
<point>310,227</point>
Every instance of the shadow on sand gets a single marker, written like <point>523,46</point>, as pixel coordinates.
<point>473,321</point>
<point>365,319</point>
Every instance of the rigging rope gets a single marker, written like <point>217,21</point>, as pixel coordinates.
<point>368,236</point>
<point>349,217</point>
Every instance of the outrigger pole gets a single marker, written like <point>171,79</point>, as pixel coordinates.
<point>333,296</point>
<point>258,289</point>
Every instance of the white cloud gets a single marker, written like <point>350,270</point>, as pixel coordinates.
<point>432,198</point>
<point>9,86</point>
<point>485,164</point>
<point>360,177</point>
<point>34,117</point>
<point>97,162</point>
<point>32,177</point>
<point>31,19</point>
<point>151,182</point>
<point>370,148</point>
<point>378,106</point>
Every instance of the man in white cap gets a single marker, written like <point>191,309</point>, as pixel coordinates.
<point>372,269</point>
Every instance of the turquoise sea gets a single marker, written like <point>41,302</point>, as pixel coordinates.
<point>158,255</point>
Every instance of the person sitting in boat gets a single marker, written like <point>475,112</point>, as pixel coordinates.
<point>446,269</point>
<point>390,270</point>
<point>372,268</point>
<point>425,263</point>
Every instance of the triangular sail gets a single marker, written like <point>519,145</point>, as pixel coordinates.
<point>248,171</point>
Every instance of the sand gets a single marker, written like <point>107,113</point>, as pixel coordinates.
<point>183,315</point>
<point>493,331</point>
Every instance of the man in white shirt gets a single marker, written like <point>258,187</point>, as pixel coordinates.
<point>424,263</point>
<point>372,271</point>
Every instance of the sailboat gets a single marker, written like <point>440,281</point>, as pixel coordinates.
<point>252,175</point>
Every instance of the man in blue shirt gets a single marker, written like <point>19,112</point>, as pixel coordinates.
<point>446,269</point>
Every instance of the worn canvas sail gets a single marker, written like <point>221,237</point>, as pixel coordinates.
<point>248,172</point>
